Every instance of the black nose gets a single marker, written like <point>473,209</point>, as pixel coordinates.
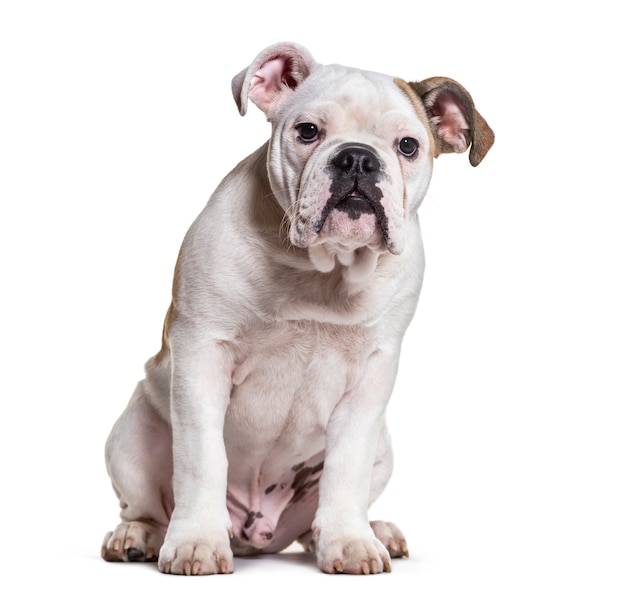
<point>356,159</point>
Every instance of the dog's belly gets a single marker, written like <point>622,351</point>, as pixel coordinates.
<point>284,393</point>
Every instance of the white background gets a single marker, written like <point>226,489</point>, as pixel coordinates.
<point>116,123</point>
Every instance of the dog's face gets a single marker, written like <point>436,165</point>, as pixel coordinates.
<point>349,160</point>
<point>351,151</point>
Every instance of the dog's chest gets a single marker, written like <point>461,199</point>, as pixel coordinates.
<point>287,380</point>
<point>289,376</point>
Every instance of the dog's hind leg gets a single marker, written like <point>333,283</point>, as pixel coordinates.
<point>139,462</point>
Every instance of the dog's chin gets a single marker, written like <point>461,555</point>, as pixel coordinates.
<point>342,231</point>
<point>342,228</point>
<point>353,243</point>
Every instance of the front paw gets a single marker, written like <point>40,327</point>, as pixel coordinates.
<point>351,555</point>
<point>196,557</point>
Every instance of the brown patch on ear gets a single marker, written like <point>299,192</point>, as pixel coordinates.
<point>416,101</point>
<point>455,122</point>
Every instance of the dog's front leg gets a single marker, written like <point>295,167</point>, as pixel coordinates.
<point>198,536</point>
<point>343,538</point>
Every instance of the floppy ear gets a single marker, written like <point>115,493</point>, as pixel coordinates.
<point>454,120</point>
<point>275,73</point>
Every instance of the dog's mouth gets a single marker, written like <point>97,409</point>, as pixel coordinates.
<point>355,203</point>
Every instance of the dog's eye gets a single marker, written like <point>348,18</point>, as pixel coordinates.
<point>408,147</point>
<point>307,132</point>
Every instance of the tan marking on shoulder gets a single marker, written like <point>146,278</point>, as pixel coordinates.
<point>170,316</point>
<point>165,338</point>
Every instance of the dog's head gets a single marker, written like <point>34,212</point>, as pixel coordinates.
<point>351,151</point>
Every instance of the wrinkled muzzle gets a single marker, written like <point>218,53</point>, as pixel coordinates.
<point>355,172</point>
<point>345,202</point>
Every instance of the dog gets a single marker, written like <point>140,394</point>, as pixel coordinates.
<point>261,420</point>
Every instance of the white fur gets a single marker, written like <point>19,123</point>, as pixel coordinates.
<point>281,346</point>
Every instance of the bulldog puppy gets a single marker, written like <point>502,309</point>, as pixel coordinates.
<point>261,421</point>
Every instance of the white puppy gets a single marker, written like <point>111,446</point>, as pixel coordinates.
<point>262,419</point>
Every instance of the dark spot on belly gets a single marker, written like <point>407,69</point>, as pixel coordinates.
<point>300,478</point>
<point>317,468</point>
<point>297,467</point>
<point>302,482</point>
<point>303,490</point>
<point>270,489</point>
<point>251,518</point>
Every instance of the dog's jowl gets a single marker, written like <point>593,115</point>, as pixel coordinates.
<point>261,421</point>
